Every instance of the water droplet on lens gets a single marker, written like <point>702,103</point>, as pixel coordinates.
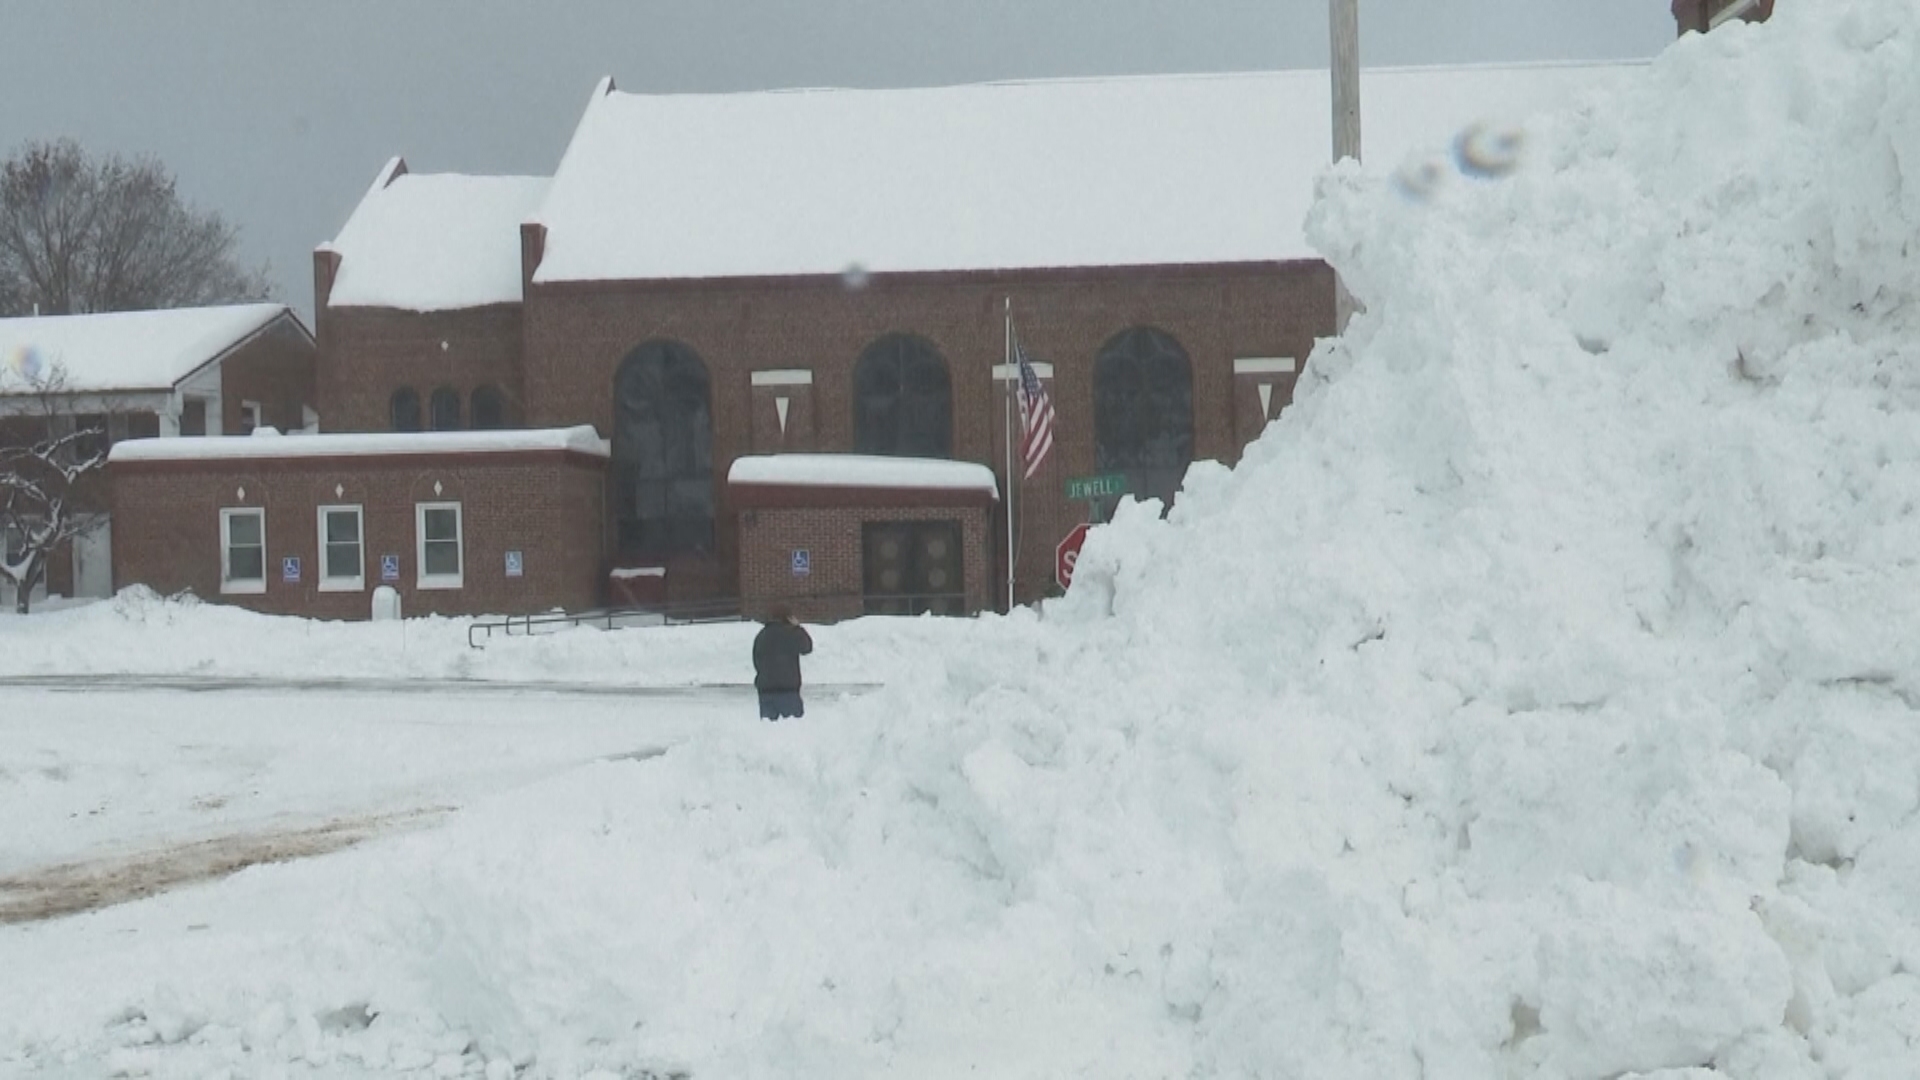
<point>1486,151</point>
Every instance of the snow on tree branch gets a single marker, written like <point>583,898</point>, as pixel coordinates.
<point>46,457</point>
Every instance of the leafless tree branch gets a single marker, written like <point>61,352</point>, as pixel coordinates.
<point>44,459</point>
<point>82,234</point>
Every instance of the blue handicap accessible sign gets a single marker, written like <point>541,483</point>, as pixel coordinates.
<point>290,569</point>
<point>389,568</point>
<point>515,565</point>
<point>802,562</point>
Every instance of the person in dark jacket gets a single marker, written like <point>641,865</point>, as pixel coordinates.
<point>777,650</point>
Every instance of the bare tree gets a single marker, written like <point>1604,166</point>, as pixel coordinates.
<point>46,456</point>
<point>81,234</point>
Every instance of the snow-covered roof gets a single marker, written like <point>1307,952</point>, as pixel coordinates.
<point>434,242</point>
<point>862,471</point>
<point>269,444</point>
<point>1072,172</point>
<point>126,351</point>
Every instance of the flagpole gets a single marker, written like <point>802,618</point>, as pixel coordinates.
<point>1007,349</point>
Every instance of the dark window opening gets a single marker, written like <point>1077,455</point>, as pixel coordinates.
<point>445,409</point>
<point>405,409</point>
<point>1143,413</point>
<point>663,451</point>
<point>489,409</point>
<point>902,399</point>
<point>92,437</point>
<point>913,567</point>
<point>142,425</point>
<point>193,417</point>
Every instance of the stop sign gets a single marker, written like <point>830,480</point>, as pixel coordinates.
<point>1068,553</point>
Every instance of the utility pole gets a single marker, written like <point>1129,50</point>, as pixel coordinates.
<point>1343,17</point>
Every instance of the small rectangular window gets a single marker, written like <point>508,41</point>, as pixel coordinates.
<point>343,566</point>
<point>441,561</point>
<point>243,551</point>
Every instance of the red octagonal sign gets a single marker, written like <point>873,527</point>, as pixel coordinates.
<point>1068,553</point>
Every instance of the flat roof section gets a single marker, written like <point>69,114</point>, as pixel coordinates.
<point>269,444</point>
<point>797,480</point>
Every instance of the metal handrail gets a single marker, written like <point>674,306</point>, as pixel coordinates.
<point>684,613</point>
<point>687,612</point>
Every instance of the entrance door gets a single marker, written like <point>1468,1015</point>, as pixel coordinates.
<point>913,567</point>
<point>93,562</point>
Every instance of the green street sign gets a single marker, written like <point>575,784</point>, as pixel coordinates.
<point>1096,487</point>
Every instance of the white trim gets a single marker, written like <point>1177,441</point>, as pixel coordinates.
<point>202,383</point>
<point>228,586</point>
<point>252,410</point>
<point>439,581</point>
<point>1732,11</point>
<point>580,440</point>
<point>1011,372</point>
<point>84,404</point>
<point>358,582</point>
<point>1265,365</point>
<point>783,377</point>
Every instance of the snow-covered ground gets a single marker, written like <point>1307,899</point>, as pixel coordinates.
<point>139,633</point>
<point>108,772</point>
<point>1540,698</point>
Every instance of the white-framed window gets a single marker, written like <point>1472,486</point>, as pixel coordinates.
<point>343,549</point>
<point>250,417</point>
<point>439,552</point>
<point>243,550</point>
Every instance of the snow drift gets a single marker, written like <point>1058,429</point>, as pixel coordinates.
<point>1538,698</point>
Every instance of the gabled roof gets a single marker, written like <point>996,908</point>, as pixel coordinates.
<point>1071,172</point>
<point>129,351</point>
<point>433,241</point>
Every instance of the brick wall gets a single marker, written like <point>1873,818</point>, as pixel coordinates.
<point>831,536</point>
<point>546,505</point>
<point>577,334</point>
<point>368,353</point>
<point>1698,15</point>
<point>275,369</point>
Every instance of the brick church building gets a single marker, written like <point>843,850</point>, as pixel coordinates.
<point>747,347</point>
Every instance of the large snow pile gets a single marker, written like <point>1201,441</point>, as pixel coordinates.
<point>1540,698</point>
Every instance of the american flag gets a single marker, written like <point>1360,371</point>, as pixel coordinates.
<point>1036,415</point>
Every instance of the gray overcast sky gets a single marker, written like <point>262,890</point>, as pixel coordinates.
<point>278,114</point>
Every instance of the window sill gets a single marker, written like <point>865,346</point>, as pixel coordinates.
<point>343,585</point>
<point>243,588</point>
<point>454,581</point>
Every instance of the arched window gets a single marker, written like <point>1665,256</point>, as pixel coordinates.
<point>1143,411</point>
<point>489,409</point>
<point>902,399</point>
<point>444,409</point>
<point>405,409</point>
<point>663,451</point>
